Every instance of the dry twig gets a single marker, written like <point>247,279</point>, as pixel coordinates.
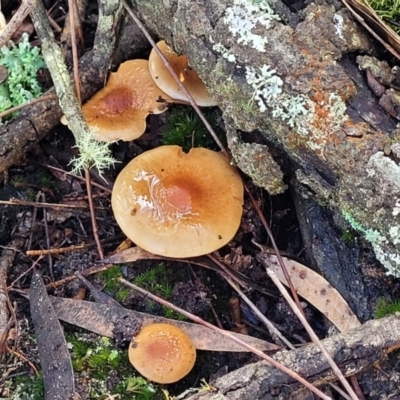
<point>22,12</point>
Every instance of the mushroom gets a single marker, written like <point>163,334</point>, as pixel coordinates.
<point>119,110</point>
<point>178,204</point>
<point>162,353</point>
<point>166,82</point>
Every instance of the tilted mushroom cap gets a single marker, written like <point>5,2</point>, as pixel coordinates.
<point>162,353</point>
<point>165,81</point>
<point>119,110</point>
<point>178,204</point>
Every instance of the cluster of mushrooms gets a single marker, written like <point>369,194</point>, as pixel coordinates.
<point>137,89</point>
<point>168,202</point>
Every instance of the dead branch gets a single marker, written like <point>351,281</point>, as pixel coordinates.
<point>354,351</point>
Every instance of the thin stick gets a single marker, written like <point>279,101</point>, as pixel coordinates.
<point>60,250</point>
<point>46,230</point>
<point>93,214</point>
<point>227,334</point>
<point>34,216</point>
<point>30,103</point>
<point>19,202</point>
<point>72,20</point>
<point>312,334</point>
<point>73,175</point>
<point>22,12</point>
<point>73,16</point>
<point>277,252</point>
<point>24,273</point>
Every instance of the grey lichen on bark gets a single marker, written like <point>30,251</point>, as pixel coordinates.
<point>314,117</point>
<point>255,160</point>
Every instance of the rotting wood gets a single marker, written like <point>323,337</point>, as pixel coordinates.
<point>339,148</point>
<point>354,351</point>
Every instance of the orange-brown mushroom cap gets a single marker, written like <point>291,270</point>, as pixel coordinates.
<point>178,204</point>
<point>162,353</point>
<point>119,110</point>
<point>165,81</point>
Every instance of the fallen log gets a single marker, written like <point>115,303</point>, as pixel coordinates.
<point>354,351</point>
<point>299,85</point>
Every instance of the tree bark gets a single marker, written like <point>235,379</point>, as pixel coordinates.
<point>344,147</point>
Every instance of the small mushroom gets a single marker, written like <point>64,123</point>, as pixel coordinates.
<point>119,110</point>
<point>162,353</point>
<point>178,204</point>
<point>165,81</point>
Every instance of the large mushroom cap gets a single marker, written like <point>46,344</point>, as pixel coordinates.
<point>165,81</point>
<point>162,353</point>
<point>119,110</point>
<point>178,204</point>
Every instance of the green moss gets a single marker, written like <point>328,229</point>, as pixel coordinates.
<point>348,235</point>
<point>185,129</point>
<point>385,307</point>
<point>156,280</point>
<point>26,388</point>
<point>137,386</point>
<point>388,10</point>
<point>30,194</point>
<point>168,313</point>
<point>18,180</point>
<point>111,284</point>
<point>97,360</point>
<point>45,180</point>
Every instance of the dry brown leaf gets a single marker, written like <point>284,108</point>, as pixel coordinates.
<point>103,319</point>
<point>317,291</point>
<point>375,25</point>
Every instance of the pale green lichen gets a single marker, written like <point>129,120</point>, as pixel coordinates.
<point>384,169</point>
<point>226,53</point>
<point>396,208</point>
<point>268,93</point>
<point>23,63</point>
<point>243,17</point>
<point>92,154</point>
<point>385,254</point>
<point>337,110</point>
